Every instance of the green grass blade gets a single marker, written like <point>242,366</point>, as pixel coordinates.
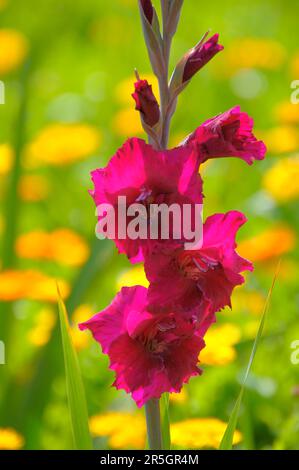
<point>227,439</point>
<point>165,423</point>
<point>75,389</point>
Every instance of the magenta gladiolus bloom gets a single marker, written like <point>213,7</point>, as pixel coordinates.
<point>150,354</point>
<point>200,55</point>
<point>180,280</point>
<point>228,135</point>
<point>147,176</point>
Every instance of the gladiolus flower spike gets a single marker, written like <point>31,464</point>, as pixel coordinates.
<point>153,336</point>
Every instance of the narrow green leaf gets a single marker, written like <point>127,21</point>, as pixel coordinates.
<point>75,389</point>
<point>227,439</point>
<point>165,423</point>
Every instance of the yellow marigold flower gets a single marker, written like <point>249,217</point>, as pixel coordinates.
<point>283,139</point>
<point>6,158</point>
<point>247,53</point>
<point>132,277</point>
<point>125,89</point>
<point>268,244</point>
<point>282,179</point>
<point>287,113</point>
<point>124,430</point>
<point>10,439</point>
<point>61,144</point>
<point>219,348</point>
<point>127,122</point>
<point>33,188</point>
<point>81,314</point>
<point>30,284</point>
<point>40,334</point>
<point>199,433</point>
<point>13,50</point>
<point>63,246</point>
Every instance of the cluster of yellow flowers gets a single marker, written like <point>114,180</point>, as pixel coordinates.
<point>125,430</point>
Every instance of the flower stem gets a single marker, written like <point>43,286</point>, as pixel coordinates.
<point>153,424</point>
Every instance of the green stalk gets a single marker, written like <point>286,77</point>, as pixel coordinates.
<point>153,424</point>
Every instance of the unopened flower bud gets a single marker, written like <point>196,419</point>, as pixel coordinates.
<point>148,9</point>
<point>200,55</point>
<point>146,103</point>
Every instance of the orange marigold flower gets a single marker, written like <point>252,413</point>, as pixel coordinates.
<point>30,284</point>
<point>268,244</point>
<point>33,188</point>
<point>63,245</point>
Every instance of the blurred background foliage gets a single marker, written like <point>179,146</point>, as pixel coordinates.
<point>68,68</point>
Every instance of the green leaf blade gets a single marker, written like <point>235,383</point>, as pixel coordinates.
<point>227,439</point>
<point>75,388</point>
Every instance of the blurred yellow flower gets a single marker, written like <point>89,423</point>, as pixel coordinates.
<point>248,301</point>
<point>33,188</point>
<point>219,348</point>
<point>179,398</point>
<point>61,144</point>
<point>6,158</point>
<point>10,439</point>
<point>282,179</point>
<point>62,245</point>
<point>132,277</point>
<point>199,433</point>
<point>124,430</point>
<point>259,53</point>
<point>13,50</point>
<point>30,284</point>
<point>81,314</point>
<point>126,123</point>
<point>281,139</point>
<point>268,244</point>
<point>125,88</point>
<point>40,334</point>
<point>287,113</point>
